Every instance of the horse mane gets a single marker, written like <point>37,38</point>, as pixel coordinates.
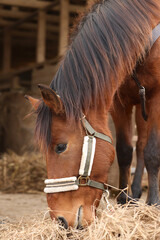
<point>104,49</point>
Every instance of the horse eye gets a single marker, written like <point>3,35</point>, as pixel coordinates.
<point>60,148</point>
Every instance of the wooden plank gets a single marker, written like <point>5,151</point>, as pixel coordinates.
<point>30,26</point>
<point>76,8</point>
<point>14,8</point>
<point>73,8</point>
<point>31,66</point>
<point>39,4</point>
<point>5,85</point>
<point>26,3</point>
<point>64,27</point>
<point>13,14</point>
<point>33,26</point>
<point>4,23</point>
<point>51,23</point>
<point>32,15</point>
<point>21,14</point>
<point>41,37</point>
<point>6,51</point>
<point>31,35</point>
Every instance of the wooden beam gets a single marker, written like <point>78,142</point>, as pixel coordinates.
<point>6,51</point>
<point>5,85</point>
<point>64,26</point>
<point>35,4</point>
<point>24,3</point>
<point>31,35</point>
<point>15,83</point>
<point>13,14</point>
<point>31,66</point>
<point>73,8</point>
<point>14,8</point>
<point>41,37</point>
<point>21,14</point>
<point>30,26</point>
<point>4,23</point>
<point>31,15</point>
<point>76,8</point>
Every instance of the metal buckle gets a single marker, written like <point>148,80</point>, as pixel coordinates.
<point>142,91</point>
<point>82,181</point>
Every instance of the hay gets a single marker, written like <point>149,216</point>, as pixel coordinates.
<point>22,174</point>
<point>134,222</point>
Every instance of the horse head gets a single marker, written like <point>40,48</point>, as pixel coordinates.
<point>72,194</point>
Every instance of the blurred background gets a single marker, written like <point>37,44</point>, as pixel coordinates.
<point>33,35</point>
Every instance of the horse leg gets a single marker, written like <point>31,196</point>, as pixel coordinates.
<point>122,120</point>
<point>142,137</point>
<point>152,150</point>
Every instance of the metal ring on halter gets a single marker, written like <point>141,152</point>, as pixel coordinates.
<point>107,192</point>
<point>82,181</point>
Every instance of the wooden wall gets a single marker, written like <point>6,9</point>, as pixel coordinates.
<point>32,33</point>
<point>33,36</point>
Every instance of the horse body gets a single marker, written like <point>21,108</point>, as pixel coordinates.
<point>110,40</point>
<point>149,76</point>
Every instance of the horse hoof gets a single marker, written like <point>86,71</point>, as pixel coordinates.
<point>137,195</point>
<point>155,203</point>
<point>136,192</point>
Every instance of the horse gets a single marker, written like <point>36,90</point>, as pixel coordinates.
<point>72,115</point>
<point>147,131</point>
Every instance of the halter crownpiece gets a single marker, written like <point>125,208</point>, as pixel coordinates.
<point>88,152</point>
<point>155,34</point>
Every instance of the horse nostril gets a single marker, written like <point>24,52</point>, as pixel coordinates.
<point>63,222</point>
<point>79,227</point>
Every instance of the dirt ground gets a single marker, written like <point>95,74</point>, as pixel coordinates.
<point>15,206</point>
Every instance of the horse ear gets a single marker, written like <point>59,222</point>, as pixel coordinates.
<point>33,101</point>
<point>51,99</point>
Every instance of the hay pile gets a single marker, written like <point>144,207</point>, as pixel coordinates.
<point>22,174</point>
<point>121,223</point>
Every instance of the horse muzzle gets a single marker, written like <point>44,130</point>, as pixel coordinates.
<point>78,220</point>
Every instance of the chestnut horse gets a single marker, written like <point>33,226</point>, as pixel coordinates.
<point>107,44</point>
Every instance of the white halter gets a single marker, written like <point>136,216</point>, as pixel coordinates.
<point>88,152</point>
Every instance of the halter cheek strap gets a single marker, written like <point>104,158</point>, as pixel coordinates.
<point>88,152</point>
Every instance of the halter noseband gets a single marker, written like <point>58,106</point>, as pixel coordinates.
<point>88,152</point>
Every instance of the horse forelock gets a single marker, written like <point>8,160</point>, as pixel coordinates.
<point>104,48</point>
<point>43,126</point>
